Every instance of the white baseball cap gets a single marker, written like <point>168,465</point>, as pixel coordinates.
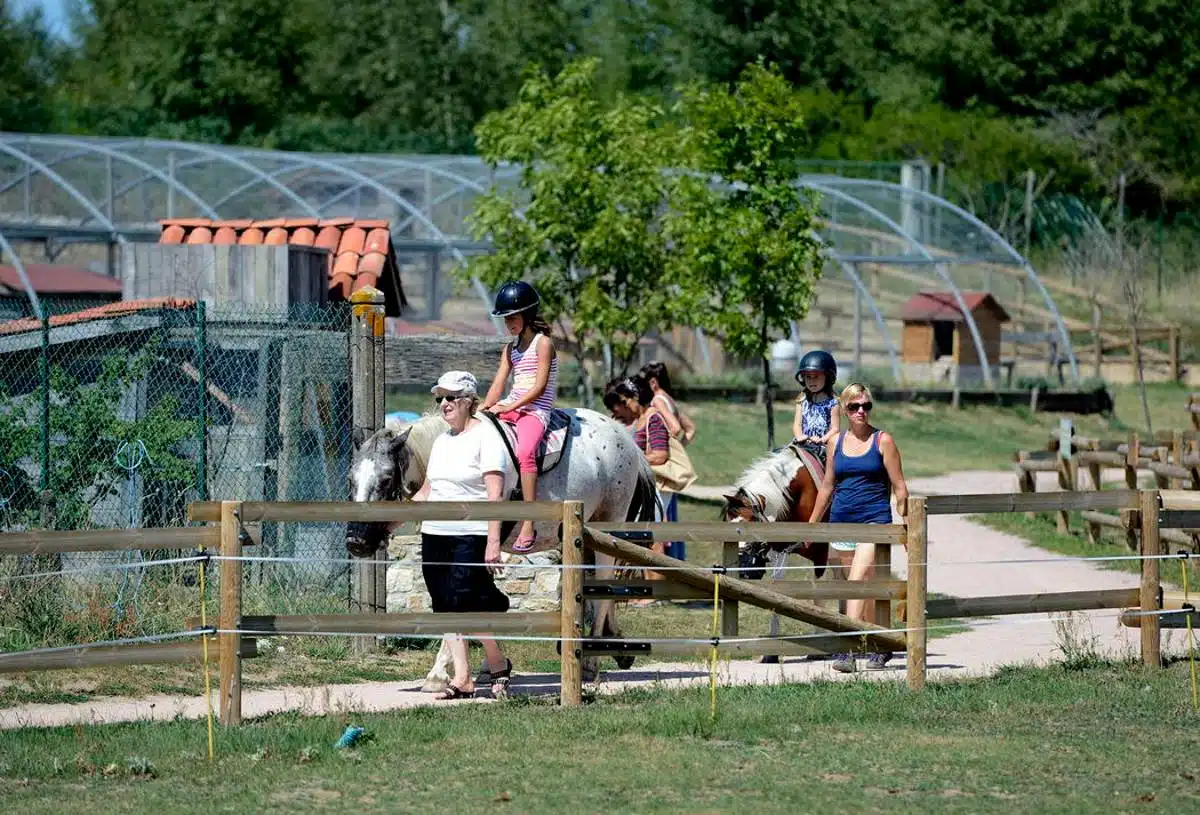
<point>462,383</point>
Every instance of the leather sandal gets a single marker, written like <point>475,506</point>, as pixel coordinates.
<point>524,544</point>
<point>453,692</point>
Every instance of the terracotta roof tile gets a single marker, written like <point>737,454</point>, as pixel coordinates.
<point>122,308</point>
<point>199,234</point>
<point>302,237</point>
<point>361,252</point>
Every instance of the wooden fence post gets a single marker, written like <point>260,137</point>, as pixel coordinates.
<point>1151,547</point>
<point>368,577</point>
<point>230,615</point>
<point>729,608</point>
<point>571,586</point>
<point>1173,352</point>
<point>883,571</point>
<point>917,594</point>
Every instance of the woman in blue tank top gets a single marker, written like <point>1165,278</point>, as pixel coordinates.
<point>862,473</point>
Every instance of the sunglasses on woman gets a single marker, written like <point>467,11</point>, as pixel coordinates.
<point>855,407</point>
<point>439,399</point>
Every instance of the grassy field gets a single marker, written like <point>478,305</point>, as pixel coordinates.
<point>1107,738</point>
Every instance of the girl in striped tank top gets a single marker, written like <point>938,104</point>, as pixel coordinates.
<point>531,361</point>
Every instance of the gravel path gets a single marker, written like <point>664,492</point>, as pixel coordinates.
<point>959,553</point>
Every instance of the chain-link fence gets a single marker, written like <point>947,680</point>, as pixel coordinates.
<point>119,420</point>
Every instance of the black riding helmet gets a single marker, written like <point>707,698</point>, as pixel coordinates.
<point>515,297</point>
<point>818,361</point>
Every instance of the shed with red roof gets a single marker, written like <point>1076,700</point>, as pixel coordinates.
<point>935,327</point>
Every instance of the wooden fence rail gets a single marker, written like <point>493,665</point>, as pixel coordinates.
<point>794,599</point>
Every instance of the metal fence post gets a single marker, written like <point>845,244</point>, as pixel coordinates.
<point>45,406</point>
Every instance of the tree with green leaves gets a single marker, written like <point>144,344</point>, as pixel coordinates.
<point>742,229</point>
<point>584,224</point>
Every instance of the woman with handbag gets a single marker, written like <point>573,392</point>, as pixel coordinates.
<point>680,426</point>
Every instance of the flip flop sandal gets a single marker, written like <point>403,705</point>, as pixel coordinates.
<point>523,545</point>
<point>484,677</point>
<point>453,692</point>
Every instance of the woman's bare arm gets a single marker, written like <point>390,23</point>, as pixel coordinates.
<point>499,381</point>
<point>668,417</point>
<point>494,482</point>
<point>895,471</point>
<point>798,422</point>
<point>825,494</point>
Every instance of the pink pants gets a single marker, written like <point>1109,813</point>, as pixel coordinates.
<point>530,432</point>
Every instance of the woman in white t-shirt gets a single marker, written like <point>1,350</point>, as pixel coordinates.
<point>467,463</point>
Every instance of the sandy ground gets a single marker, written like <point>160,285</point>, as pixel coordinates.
<point>961,555</point>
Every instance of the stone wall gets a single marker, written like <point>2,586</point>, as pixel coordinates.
<point>528,587</point>
<point>416,361</point>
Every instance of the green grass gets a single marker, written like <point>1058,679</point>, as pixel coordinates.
<point>1107,738</point>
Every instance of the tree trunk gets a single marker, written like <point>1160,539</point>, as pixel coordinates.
<point>768,397</point>
<point>1136,350</point>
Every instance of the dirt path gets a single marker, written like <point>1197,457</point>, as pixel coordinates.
<point>959,554</point>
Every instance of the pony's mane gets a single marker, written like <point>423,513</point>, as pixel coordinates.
<point>420,439</point>
<point>768,478</point>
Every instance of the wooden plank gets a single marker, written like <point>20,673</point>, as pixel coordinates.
<point>1030,502</point>
<point>44,542</point>
<point>870,637</point>
<point>230,617</point>
<point>1180,499</point>
<point>95,656</point>
<point>1046,602</point>
<point>730,613</point>
<point>570,620</point>
<point>540,622</point>
<point>1047,465</point>
<point>775,646</point>
<point>1150,585</point>
<point>1179,519</point>
<point>916,600</point>
<point>798,589</point>
<point>383,512</point>
<point>1177,619</point>
<point>892,534</point>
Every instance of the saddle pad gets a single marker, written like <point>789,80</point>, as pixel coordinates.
<point>811,462</point>
<point>550,451</point>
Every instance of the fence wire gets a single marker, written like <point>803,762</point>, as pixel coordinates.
<point>110,422</point>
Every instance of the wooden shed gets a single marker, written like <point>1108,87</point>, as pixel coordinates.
<point>935,328</point>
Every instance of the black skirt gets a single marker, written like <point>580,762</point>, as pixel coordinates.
<point>461,586</point>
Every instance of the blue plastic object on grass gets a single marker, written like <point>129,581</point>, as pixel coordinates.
<point>404,416</point>
<point>351,737</point>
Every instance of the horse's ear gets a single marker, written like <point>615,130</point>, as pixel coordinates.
<point>731,499</point>
<point>398,440</point>
<point>359,435</point>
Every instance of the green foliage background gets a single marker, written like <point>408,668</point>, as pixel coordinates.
<point>1086,88</point>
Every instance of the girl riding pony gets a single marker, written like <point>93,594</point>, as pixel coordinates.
<point>531,361</point>
<point>816,419</point>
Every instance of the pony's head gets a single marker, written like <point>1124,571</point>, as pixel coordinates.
<point>742,507</point>
<point>382,469</point>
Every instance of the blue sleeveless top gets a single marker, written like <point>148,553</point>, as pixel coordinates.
<point>862,489</point>
<point>815,417</point>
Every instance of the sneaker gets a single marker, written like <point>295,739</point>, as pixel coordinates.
<point>878,662</point>
<point>844,663</point>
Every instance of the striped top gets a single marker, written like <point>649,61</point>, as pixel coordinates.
<point>524,372</point>
<point>656,429</point>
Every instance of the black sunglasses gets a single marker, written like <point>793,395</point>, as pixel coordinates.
<point>439,399</point>
<point>855,407</point>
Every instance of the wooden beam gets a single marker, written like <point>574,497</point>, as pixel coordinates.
<point>383,512</point>
<point>95,656</point>
<point>917,594</point>
<point>45,542</point>
<point>1030,502</point>
<point>720,531</point>
<point>539,622</point>
<point>1180,499</point>
<point>570,618</point>
<point>1150,586</point>
<point>943,608</point>
<point>774,646</point>
<point>230,617</point>
<point>872,637</point>
<point>797,589</point>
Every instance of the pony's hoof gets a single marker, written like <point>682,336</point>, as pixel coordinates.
<point>435,685</point>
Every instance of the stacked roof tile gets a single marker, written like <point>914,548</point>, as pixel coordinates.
<point>360,250</point>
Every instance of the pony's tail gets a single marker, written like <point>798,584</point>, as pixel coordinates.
<point>645,505</point>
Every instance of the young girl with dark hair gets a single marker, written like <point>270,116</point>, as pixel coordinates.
<point>533,364</point>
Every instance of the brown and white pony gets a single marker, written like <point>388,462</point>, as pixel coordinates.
<point>780,487</point>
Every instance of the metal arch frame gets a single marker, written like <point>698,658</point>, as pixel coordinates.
<point>66,187</point>
<point>6,247</point>
<point>938,268</point>
<point>314,212</point>
<point>1021,261</point>
<point>148,168</point>
<point>226,156</point>
<point>4,137</point>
